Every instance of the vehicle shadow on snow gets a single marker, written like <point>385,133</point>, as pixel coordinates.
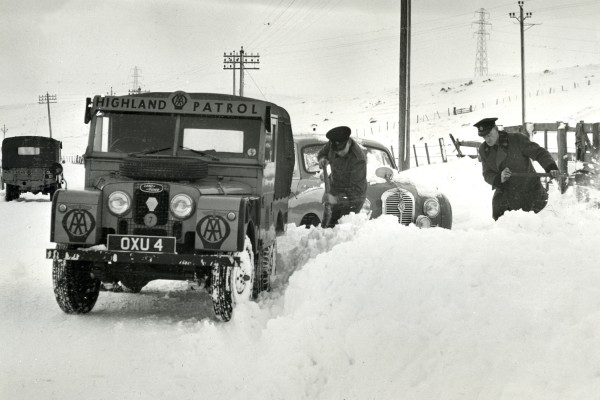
<point>152,303</point>
<point>30,200</point>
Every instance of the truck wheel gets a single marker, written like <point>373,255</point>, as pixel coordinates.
<point>75,290</point>
<point>164,168</point>
<point>265,266</point>
<point>233,285</point>
<point>11,193</point>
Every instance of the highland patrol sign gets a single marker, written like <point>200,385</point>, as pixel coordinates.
<point>179,103</point>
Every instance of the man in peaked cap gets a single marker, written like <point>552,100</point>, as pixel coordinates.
<point>503,154</point>
<point>348,180</point>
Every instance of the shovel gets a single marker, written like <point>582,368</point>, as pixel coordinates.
<point>563,179</point>
<point>328,208</point>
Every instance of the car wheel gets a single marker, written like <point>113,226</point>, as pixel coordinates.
<point>75,290</point>
<point>231,285</point>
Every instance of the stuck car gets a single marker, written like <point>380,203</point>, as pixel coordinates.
<point>31,164</point>
<point>404,199</point>
<point>178,186</point>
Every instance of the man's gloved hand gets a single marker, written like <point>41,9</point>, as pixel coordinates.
<point>331,199</point>
<point>505,175</point>
<point>323,162</point>
<point>555,174</point>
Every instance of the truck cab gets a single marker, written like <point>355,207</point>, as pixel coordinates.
<point>180,186</point>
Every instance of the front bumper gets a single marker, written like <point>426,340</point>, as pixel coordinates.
<point>193,261</point>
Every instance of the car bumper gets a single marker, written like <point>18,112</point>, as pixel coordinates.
<point>110,256</point>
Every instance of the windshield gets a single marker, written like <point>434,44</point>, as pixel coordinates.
<point>156,133</point>
<point>375,158</point>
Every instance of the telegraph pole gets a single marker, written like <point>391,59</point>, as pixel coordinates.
<point>481,62</point>
<point>233,59</point>
<point>521,18</point>
<point>404,93</point>
<point>4,130</point>
<point>48,98</point>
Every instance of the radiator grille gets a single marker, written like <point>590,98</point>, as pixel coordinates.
<point>400,203</point>
<point>140,206</point>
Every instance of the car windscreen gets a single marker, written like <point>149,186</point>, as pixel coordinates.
<point>221,136</point>
<point>148,133</point>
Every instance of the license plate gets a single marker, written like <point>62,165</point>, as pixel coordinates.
<point>144,244</point>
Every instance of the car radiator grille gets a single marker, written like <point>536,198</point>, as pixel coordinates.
<point>143,204</point>
<point>400,203</point>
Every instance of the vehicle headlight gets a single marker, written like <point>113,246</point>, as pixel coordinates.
<point>119,202</point>
<point>366,207</point>
<point>182,206</point>
<point>431,207</point>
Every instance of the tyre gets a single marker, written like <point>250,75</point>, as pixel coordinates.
<point>75,290</point>
<point>51,192</point>
<point>11,193</point>
<point>264,268</point>
<point>233,285</point>
<point>164,168</point>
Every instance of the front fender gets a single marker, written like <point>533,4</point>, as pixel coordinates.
<point>76,217</point>
<point>221,223</point>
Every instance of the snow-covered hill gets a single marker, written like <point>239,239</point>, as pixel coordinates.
<point>375,115</point>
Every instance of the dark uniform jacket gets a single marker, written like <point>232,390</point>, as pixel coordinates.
<point>348,173</point>
<point>515,151</point>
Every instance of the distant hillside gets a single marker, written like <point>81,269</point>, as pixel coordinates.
<point>550,98</point>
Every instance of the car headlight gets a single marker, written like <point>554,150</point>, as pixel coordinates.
<point>119,202</point>
<point>182,206</point>
<point>366,207</point>
<point>431,207</point>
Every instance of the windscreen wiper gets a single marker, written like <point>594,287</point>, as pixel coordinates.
<point>150,151</point>
<point>202,153</point>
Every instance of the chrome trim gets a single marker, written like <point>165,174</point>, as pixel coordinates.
<point>394,197</point>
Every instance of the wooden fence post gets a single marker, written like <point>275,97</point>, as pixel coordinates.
<point>561,141</point>
<point>443,150</point>
<point>596,139</point>
<point>427,153</point>
<point>416,159</point>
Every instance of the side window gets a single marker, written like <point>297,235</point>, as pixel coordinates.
<point>271,141</point>
<point>309,157</point>
<point>101,124</point>
<point>296,163</point>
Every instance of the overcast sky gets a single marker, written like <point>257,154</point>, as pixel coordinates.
<point>75,48</point>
